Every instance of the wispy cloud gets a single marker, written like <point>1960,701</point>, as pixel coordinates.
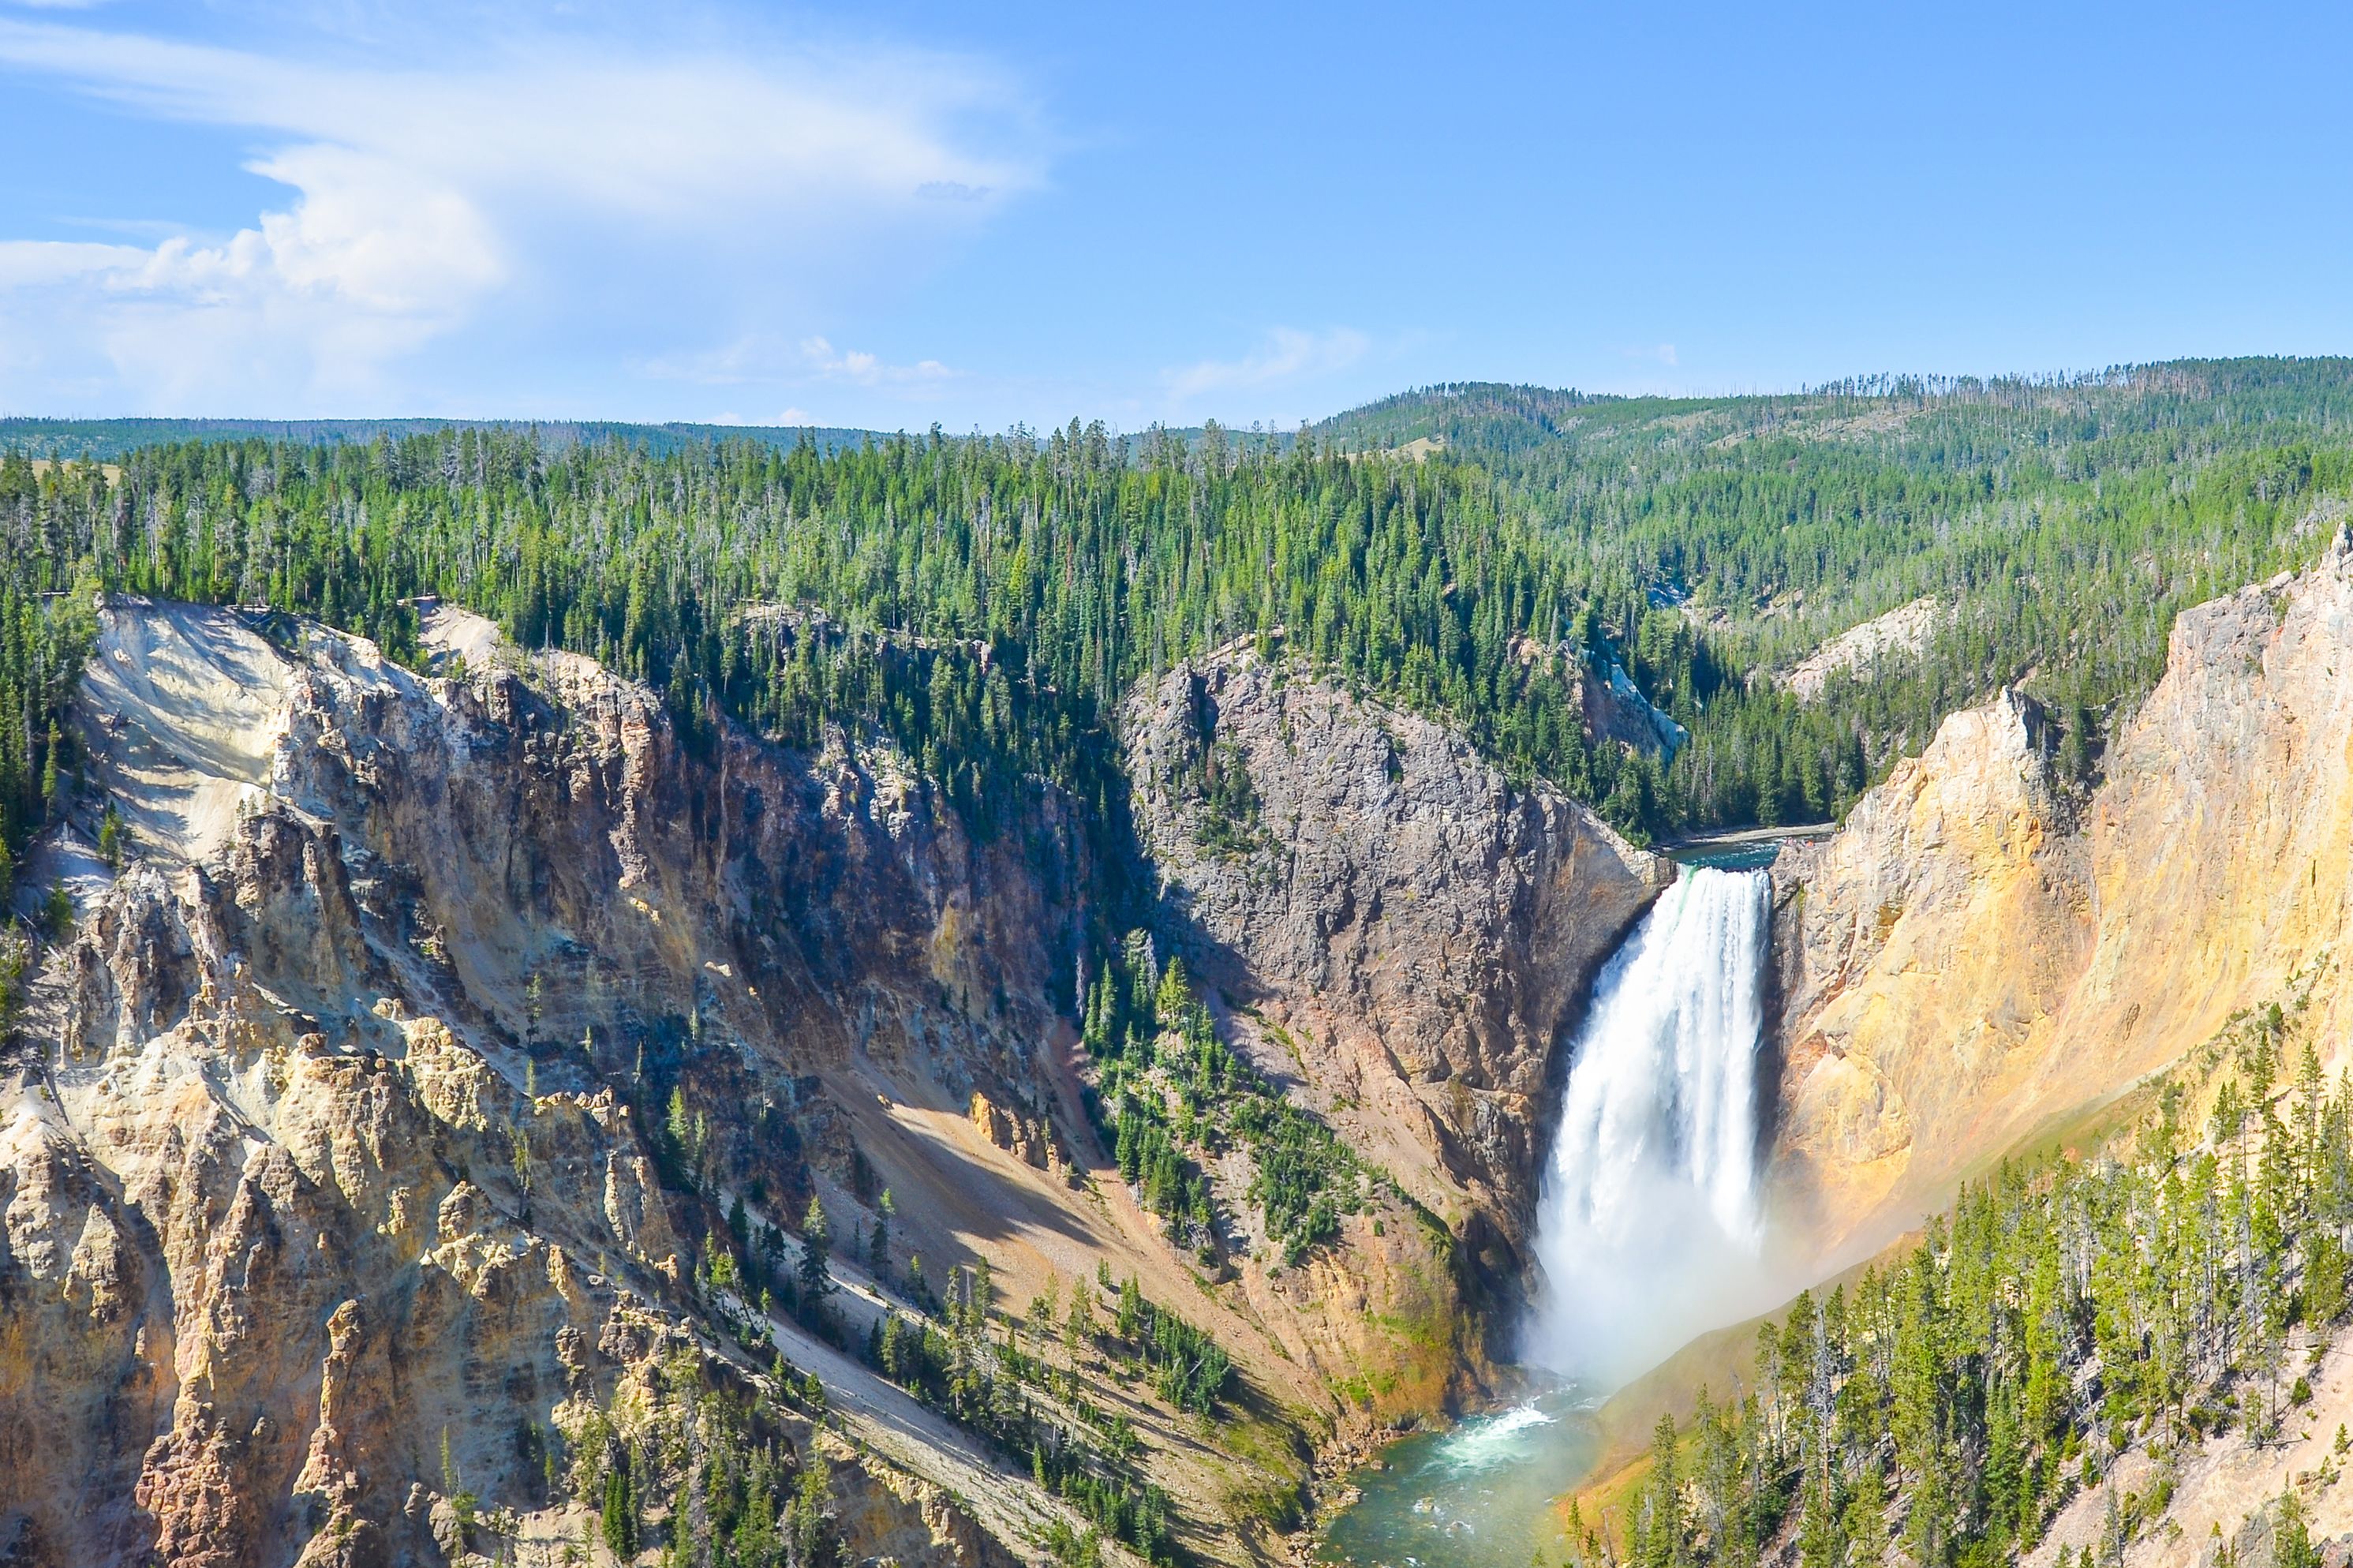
<point>26,263</point>
<point>588,188</point>
<point>154,229</point>
<point>768,360</point>
<point>1284,355</point>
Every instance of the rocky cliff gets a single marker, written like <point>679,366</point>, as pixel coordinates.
<point>1979,952</point>
<point>1399,932</point>
<point>326,1182</point>
<point>371,1143</point>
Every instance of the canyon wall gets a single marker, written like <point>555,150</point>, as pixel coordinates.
<point>1982,953</point>
<point>332,1192</point>
<point>326,1179</point>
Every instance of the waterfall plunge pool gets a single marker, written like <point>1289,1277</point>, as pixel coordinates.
<point>1648,1230</point>
<point>1481,1496</point>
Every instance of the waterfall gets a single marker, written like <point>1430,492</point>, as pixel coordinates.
<point>1647,1229</point>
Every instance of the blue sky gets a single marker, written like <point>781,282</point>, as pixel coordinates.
<point>896,214</point>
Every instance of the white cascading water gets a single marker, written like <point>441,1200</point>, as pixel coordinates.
<point>1648,1230</point>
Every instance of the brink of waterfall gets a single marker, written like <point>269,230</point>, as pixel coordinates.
<point>1648,1229</point>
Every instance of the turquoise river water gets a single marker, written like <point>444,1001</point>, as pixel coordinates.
<point>1481,1496</point>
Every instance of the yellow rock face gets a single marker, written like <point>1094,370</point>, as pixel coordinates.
<point>1978,954</point>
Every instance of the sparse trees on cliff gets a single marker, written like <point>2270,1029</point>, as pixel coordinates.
<point>1973,1383</point>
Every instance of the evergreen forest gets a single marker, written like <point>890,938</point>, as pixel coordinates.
<point>1483,553</point>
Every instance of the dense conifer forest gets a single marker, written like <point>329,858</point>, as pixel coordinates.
<point>1478,552</point>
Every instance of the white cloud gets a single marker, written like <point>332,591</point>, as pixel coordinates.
<point>621,195</point>
<point>744,361</point>
<point>1285,355</point>
<point>861,369</point>
<point>149,229</point>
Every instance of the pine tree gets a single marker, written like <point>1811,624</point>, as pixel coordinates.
<point>1045,1309</point>
<point>739,1227</point>
<point>1664,1543</point>
<point>1866,1519</point>
<point>54,746</point>
<point>680,1130</point>
<point>877,1240</point>
<point>809,1520</point>
<point>620,1518</point>
<point>813,1277</point>
<point>2293,1546</point>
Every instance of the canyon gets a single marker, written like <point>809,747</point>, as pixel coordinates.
<point>1989,962</point>
<point>335,1193</point>
<point>331,1204</point>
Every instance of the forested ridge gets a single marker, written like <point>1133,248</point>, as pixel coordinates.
<point>2060,523</point>
<point>989,599</point>
<point>104,440</point>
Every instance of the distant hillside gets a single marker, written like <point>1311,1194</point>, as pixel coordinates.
<point>107,439</point>
<point>1499,421</point>
<point>1484,416</point>
<point>2063,519</point>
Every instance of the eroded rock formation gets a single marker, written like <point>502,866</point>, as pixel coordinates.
<point>322,1183</point>
<point>1396,929</point>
